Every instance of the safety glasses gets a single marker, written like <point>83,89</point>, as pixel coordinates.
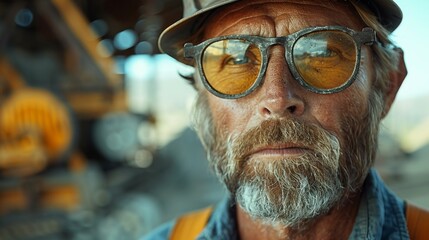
<point>323,60</point>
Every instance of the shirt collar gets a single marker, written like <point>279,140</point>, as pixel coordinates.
<point>222,223</point>
<point>381,213</point>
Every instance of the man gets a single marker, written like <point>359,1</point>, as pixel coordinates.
<point>290,97</point>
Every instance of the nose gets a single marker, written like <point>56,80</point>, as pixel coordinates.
<point>279,93</point>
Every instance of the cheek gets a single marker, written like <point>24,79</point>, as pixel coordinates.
<point>332,112</point>
<point>353,101</point>
<point>229,116</point>
<point>219,111</point>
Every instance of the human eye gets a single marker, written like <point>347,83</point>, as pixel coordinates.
<point>325,52</point>
<point>318,54</point>
<point>240,59</point>
<point>237,60</point>
<point>231,59</point>
<point>242,56</point>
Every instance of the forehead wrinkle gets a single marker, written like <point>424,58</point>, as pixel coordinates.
<point>243,24</point>
<point>310,17</point>
<point>246,25</point>
<point>288,25</point>
<point>271,22</point>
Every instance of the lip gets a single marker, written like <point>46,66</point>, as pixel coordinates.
<point>287,149</point>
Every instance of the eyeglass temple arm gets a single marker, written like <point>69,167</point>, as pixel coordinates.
<point>368,36</point>
<point>189,50</point>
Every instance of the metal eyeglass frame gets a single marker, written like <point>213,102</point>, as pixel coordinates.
<point>367,36</point>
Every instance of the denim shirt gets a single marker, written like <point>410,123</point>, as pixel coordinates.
<point>380,216</point>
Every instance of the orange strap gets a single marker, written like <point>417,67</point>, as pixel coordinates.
<point>189,226</point>
<point>417,222</point>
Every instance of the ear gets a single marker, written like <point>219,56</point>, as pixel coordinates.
<point>397,76</point>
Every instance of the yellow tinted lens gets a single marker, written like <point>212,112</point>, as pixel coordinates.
<point>231,66</point>
<point>325,59</point>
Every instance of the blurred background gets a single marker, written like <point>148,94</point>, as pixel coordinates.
<point>94,122</point>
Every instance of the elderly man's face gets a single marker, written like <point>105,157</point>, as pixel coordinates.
<point>288,154</point>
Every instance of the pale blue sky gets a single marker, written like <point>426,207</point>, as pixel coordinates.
<point>413,36</point>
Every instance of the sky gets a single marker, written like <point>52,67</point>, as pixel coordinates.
<point>413,36</point>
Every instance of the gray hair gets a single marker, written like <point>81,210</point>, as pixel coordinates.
<point>385,57</point>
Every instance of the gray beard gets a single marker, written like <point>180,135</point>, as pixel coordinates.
<point>284,191</point>
<point>293,191</point>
